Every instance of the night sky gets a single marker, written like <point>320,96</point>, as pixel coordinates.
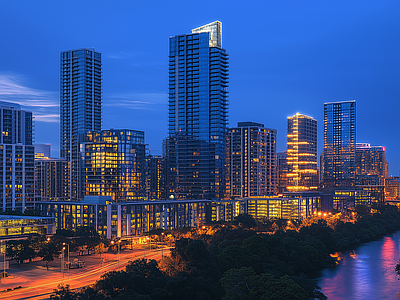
<point>285,57</point>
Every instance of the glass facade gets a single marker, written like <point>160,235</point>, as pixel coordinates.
<point>348,198</point>
<point>301,152</point>
<point>251,160</point>
<point>338,157</point>
<point>197,114</point>
<point>290,208</point>
<point>114,162</point>
<point>80,107</point>
<point>130,218</point>
<point>18,226</point>
<point>16,158</point>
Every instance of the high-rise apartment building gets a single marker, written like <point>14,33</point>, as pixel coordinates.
<point>251,160</point>
<point>392,188</point>
<point>17,156</point>
<point>338,157</point>
<point>301,158</point>
<point>114,164</point>
<point>155,177</point>
<point>52,179</point>
<point>371,164</point>
<point>281,171</point>
<point>197,114</point>
<point>80,107</point>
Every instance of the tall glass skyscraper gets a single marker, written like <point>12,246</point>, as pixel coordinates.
<point>197,114</point>
<point>301,158</point>
<point>338,157</point>
<point>80,107</point>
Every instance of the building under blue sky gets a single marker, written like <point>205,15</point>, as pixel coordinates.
<point>285,57</point>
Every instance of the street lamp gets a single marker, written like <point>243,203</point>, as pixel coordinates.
<point>144,252</point>
<point>68,254</point>
<point>119,249</point>
<point>62,263</point>
<point>112,243</point>
<point>162,245</point>
<point>4,260</point>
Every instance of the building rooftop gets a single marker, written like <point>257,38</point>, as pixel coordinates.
<point>215,30</point>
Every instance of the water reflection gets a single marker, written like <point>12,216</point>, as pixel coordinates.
<point>365,273</point>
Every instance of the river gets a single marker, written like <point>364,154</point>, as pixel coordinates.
<point>364,273</point>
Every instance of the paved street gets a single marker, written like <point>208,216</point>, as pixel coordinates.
<point>38,283</point>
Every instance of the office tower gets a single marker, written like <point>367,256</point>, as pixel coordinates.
<point>302,153</point>
<point>16,158</point>
<point>251,160</point>
<point>80,107</point>
<point>339,144</point>
<point>114,164</point>
<point>51,179</point>
<point>155,177</point>
<point>371,164</point>
<point>197,114</point>
<point>281,171</point>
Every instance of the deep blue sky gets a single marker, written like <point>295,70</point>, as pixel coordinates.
<point>285,57</point>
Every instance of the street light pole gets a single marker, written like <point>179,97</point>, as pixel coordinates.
<point>119,249</point>
<point>68,254</point>
<point>162,245</point>
<point>4,260</point>
<point>62,263</point>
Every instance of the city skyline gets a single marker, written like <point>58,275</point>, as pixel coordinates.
<point>283,60</point>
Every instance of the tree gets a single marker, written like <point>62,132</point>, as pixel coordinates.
<point>244,284</point>
<point>87,236</point>
<point>63,293</point>
<point>245,220</point>
<point>20,250</point>
<point>99,249</point>
<point>397,269</point>
<point>48,250</point>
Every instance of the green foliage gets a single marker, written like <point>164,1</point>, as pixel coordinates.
<point>63,293</point>
<point>245,284</point>
<point>49,250</point>
<point>245,220</point>
<point>237,263</point>
<point>20,250</point>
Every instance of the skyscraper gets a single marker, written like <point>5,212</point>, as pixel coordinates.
<point>114,164</point>
<point>371,164</point>
<point>301,153</point>
<point>339,144</point>
<point>155,177</point>
<point>17,158</point>
<point>251,160</point>
<point>197,114</point>
<point>80,107</point>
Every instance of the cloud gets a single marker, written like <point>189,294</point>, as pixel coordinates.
<point>146,101</point>
<point>51,118</point>
<point>44,104</point>
<point>121,55</point>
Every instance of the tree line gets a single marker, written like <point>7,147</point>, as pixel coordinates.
<point>243,260</point>
<point>81,239</point>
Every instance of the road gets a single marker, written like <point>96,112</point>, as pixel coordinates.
<point>42,288</point>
